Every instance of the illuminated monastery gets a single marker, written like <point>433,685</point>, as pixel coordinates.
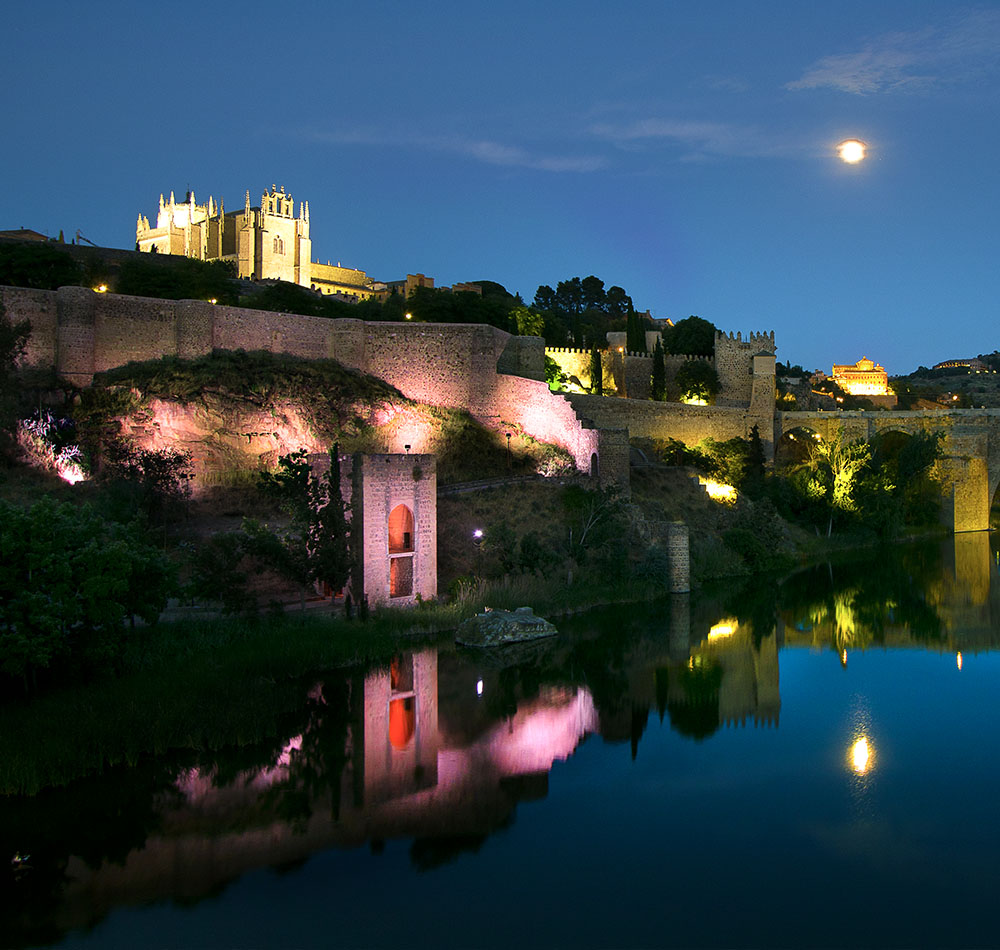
<point>268,242</point>
<point>864,378</point>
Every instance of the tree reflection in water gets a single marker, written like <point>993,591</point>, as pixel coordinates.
<point>440,747</point>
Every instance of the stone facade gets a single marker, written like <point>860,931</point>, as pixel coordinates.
<point>267,242</point>
<point>864,378</point>
<point>734,362</point>
<point>394,514</point>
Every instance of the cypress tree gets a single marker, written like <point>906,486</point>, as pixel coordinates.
<point>658,381</point>
<point>635,334</point>
<point>328,531</point>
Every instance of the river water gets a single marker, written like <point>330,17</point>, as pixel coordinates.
<point>812,762</point>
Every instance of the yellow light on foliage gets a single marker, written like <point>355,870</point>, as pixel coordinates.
<point>101,289</point>
<point>718,491</point>
<point>694,401</point>
<point>852,151</point>
<point>724,628</point>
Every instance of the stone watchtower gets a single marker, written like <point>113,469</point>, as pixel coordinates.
<point>394,528</point>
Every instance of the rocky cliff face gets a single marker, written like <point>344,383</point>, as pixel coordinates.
<point>227,434</point>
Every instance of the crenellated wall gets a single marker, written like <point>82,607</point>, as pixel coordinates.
<point>734,363</point>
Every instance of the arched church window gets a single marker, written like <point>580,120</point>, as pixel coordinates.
<point>279,246</point>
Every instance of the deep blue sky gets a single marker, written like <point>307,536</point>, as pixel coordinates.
<point>684,151</point>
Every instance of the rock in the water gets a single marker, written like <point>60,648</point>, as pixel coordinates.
<point>497,628</point>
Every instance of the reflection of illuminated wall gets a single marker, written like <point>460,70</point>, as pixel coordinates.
<point>401,727</point>
<point>749,687</point>
<point>407,784</point>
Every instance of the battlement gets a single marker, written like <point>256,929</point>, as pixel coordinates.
<point>568,350</point>
<point>764,341</point>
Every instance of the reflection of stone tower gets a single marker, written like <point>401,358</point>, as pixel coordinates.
<point>394,515</point>
<point>401,728</point>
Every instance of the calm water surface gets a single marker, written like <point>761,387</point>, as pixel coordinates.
<point>810,763</point>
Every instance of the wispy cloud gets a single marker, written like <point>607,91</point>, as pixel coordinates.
<point>484,150</point>
<point>958,49</point>
<point>702,139</point>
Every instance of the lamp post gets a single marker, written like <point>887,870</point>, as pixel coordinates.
<point>508,450</point>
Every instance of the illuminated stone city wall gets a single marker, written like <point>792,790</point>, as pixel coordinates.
<point>665,420</point>
<point>497,377</point>
<point>628,374</point>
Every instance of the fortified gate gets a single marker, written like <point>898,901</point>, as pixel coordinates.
<point>969,468</point>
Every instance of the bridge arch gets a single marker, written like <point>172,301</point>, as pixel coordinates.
<point>969,469</point>
<point>794,445</point>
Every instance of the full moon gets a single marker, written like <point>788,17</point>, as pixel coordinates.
<point>852,151</point>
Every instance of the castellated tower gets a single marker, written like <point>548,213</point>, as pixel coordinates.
<point>734,362</point>
<point>269,242</point>
<point>746,374</point>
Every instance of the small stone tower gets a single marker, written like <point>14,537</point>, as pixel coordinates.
<point>394,517</point>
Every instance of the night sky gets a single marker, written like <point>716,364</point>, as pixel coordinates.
<point>684,151</point>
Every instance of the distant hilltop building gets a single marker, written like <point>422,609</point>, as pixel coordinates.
<point>266,242</point>
<point>973,365</point>
<point>864,378</point>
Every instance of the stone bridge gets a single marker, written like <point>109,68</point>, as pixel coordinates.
<point>969,468</point>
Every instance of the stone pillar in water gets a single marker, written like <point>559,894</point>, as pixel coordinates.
<point>679,554</point>
<point>680,627</point>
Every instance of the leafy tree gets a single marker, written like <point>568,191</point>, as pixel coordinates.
<point>729,461</point>
<point>658,380</point>
<point>316,548</point>
<point>218,573</point>
<point>178,278</point>
<point>617,302</point>
<point>151,482</point>
<point>545,298</point>
<point>554,376</point>
<point>68,582</point>
<point>13,342</point>
<point>40,266</point>
<point>594,297</point>
<point>527,322</point>
<point>596,372</point>
<point>697,379</point>
<point>569,296</point>
<point>692,336</point>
